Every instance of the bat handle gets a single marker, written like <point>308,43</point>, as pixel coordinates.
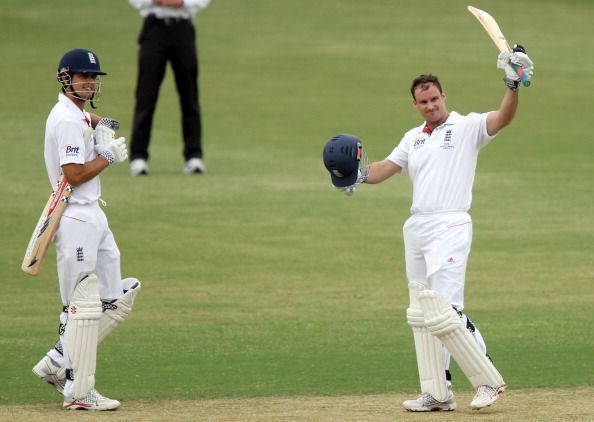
<point>523,75</point>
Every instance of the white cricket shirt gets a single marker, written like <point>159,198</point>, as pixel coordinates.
<point>65,144</point>
<point>442,164</point>
<point>186,11</point>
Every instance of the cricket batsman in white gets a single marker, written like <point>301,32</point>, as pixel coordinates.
<point>440,156</point>
<point>95,299</point>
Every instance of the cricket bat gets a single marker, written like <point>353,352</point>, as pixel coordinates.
<point>492,28</point>
<point>46,227</point>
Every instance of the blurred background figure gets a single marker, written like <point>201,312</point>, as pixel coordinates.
<point>167,35</point>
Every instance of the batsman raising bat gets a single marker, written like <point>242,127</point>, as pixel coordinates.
<point>440,157</point>
<point>94,297</point>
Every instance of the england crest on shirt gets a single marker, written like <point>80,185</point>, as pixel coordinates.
<point>447,140</point>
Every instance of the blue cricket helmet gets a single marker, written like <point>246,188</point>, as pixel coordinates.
<point>342,154</point>
<point>80,60</point>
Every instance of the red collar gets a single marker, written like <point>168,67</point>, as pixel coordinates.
<point>429,131</point>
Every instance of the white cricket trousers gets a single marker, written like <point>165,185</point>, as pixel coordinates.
<point>85,245</point>
<point>436,249</point>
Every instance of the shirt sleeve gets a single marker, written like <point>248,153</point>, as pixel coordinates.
<point>193,5</point>
<point>70,143</point>
<point>480,120</point>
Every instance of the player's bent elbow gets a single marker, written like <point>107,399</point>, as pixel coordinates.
<point>74,179</point>
<point>77,174</point>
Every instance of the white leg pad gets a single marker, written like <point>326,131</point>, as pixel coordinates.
<point>81,334</point>
<point>429,350</point>
<point>116,312</point>
<point>444,323</point>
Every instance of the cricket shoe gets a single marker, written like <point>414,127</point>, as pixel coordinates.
<point>138,167</point>
<point>92,401</point>
<point>49,371</point>
<point>194,165</point>
<point>427,403</point>
<point>486,395</point>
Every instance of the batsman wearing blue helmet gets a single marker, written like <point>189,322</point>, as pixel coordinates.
<point>440,157</point>
<point>94,297</point>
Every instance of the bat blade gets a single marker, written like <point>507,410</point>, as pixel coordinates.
<point>46,227</point>
<point>492,28</point>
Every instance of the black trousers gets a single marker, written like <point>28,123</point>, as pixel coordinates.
<point>161,41</point>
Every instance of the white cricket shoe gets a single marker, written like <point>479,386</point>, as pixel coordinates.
<point>486,395</point>
<point>92,401</point>
<point>427,403</point>
<point>194,165</point>
<point>48,370</point>
<point>138,167</point>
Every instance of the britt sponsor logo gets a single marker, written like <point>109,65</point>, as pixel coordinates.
<point>71,151</point>
<point>419,142</point>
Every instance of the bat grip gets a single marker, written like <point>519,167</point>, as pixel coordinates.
<point>523,75</point>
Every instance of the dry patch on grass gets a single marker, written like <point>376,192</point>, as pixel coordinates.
<point>521,405</point>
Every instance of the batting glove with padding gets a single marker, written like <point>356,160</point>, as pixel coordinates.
<point>517,57</point>
<point>520,57</point>
<point>114,151</point>
<point>362,175</point>
<point>105,131</point>
<point>103,135</point>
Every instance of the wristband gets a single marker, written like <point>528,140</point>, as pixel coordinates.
<point>108,156</point>
<point>511,84</point>
<point>110,123</point>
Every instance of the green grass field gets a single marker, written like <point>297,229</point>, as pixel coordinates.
<point>259,279</point>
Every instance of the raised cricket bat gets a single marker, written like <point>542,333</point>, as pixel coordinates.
<point>490,25</point>
<point>46,227</point>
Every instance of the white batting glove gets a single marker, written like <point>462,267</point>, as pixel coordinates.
<point>347,190</point>
<point>522,59</point>
<point>361,178</point>
<point>517,57</point>
<point>103,135</point>
<point>105,131</point>
<point>504,62</point>
<point>114,151</point>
